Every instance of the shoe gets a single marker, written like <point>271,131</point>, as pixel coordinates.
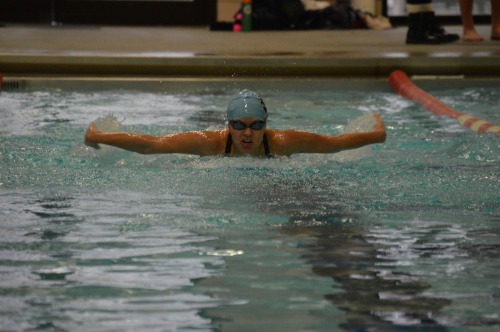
<point>438,31</point>
<point>418,32</point>
<point>424,29</point>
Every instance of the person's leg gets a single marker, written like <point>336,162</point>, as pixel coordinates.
<point>423,27</point>
<point>495,19</point>
<point>469,30</point>
<point>417,6</point>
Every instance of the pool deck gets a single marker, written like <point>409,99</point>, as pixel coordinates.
<point>110,51</point>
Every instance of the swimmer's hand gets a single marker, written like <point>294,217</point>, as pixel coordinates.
<point>90,136</point>
<point>379,125</point>
<point>379,128</point>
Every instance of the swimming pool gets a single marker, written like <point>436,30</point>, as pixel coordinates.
<point>403,235</point>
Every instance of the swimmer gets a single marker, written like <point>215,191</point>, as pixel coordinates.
<point>246,135</point>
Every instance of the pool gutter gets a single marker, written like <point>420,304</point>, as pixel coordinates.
<point>109,65</point>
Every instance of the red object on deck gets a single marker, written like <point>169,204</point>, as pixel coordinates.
<point>405,87</point>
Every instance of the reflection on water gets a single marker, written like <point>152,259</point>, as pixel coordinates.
<point>66,266</point>
<point>379,287</point>
<point>374,297</point>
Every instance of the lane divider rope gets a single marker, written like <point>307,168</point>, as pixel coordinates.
<point>405,87</point>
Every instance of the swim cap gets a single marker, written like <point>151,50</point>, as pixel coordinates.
<point>246,104</point>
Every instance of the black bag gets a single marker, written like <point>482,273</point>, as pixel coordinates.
<point>291,15</point>
<point>277,14</point>
<point>336,16</point>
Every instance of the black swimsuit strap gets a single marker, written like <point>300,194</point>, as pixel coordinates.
<point>229,142</point>
<point>266,148</point>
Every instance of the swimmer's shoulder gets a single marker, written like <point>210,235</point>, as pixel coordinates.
<point>282,142</point>
<point>215,141</point>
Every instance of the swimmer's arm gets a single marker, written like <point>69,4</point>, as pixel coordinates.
<point>201,143</point>
<point>306,142</point>
<point>357,140</point>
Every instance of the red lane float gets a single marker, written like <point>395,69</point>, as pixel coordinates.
<point>405,87</point>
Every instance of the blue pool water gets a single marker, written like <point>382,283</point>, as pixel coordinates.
<point>400,236</point>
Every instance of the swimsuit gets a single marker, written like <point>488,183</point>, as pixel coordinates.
<point>227,152</point>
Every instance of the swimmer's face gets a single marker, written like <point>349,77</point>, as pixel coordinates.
<point>247,135</point>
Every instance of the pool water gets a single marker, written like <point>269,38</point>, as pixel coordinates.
<point>398,236</point>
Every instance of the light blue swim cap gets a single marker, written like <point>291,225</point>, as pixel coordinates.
<point>246,104</point>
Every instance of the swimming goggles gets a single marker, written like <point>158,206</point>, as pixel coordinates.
<point>238,125</point>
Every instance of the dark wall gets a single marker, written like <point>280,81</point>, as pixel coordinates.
<point>109,12</point>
